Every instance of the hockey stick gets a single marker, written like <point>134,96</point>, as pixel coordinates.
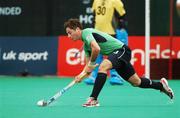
<point>43,103</point>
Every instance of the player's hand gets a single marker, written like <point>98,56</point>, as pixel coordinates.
<point>81,76</point>
<point>90,67</point>
<point>78,79</point>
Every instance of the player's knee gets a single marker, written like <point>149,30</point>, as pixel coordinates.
<point>103,68</point>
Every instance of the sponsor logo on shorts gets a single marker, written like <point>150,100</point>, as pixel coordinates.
<point>116,52</point>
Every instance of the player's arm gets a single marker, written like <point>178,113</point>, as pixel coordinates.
<point>90,62</point>
<point>121,21</point>
<point>83,74</point>
<point>95,51</point>
<point>120,14</point>
<point>119,7</point>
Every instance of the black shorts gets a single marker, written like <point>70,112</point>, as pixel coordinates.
<point>120,59</point>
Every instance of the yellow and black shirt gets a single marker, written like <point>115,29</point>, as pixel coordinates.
<point>104,12</point>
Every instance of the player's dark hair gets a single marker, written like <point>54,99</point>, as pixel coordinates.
<point>73,24</point>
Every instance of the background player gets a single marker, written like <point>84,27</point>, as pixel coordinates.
<point>109,17</point>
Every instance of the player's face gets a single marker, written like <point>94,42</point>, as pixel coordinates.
<point>73,34</point>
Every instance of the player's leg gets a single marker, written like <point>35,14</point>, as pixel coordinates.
<point>91,80</point>
<point>129,74</point>
<point>99,83</point>
<point>143,82</point>
<point>126,70</point>
<point>111,62</point>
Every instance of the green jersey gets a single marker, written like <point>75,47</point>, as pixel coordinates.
<point>106,42</point>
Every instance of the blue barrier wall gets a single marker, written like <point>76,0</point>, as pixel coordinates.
<point>30,55</point>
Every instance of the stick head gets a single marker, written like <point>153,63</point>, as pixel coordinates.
<point>41,103</point>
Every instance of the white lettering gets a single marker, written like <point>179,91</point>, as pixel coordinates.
<point>42,56</point>
<point>33,56</point>
<point>87,19</point>
<point>72,60</point>
<point>165,54</point>
<point>86,1</point>
<point>89,10</point>
<point>155,53</point>
<point>9,55</point>
<point>136,52</point>
<point>178,54</point>
<point>10,11</point>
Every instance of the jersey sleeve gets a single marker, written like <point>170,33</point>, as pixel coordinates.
<point>87,38</point>
<point>119,7</point>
